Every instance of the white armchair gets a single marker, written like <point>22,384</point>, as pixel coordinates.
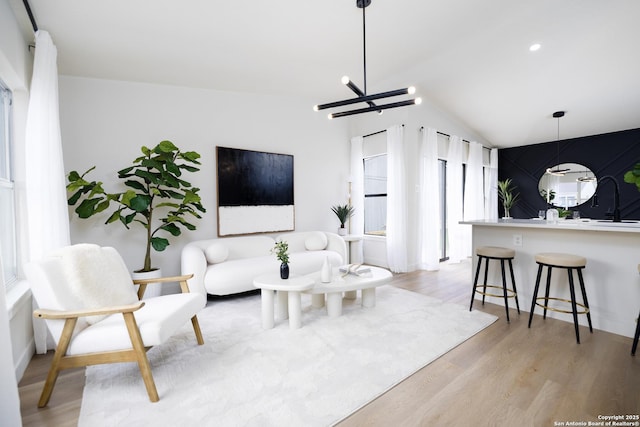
<point>95,315</point>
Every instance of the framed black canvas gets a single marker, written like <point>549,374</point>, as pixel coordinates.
<point>255,192</point>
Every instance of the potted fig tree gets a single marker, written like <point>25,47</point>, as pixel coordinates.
<point>157,198</point>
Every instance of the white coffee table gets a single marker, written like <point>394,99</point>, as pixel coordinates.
<point>349,284</point>
<point>288,302</point>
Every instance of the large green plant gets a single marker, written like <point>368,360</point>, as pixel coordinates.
<point>154,182</point>
<point>507,196</point>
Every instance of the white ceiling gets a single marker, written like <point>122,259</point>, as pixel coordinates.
<point>471,58</point>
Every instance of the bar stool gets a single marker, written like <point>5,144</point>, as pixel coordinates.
<point>570,263</point>
<point>635,338</point>
<point>488,253</point>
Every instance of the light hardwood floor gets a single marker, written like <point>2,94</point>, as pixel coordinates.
<point>507,375</point>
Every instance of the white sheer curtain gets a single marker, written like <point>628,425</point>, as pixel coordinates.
<point>357,194</point>
<point>491,188</point>
<point>454,200</point>
<point>429,202</point>
<point>396,201</point>
<point>47,216</point>
<point>473,192</point>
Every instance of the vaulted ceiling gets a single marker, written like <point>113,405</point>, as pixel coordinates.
<point>470,58</point>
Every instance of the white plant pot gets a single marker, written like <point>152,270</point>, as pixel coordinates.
<point>342,231</point>
<point>153,289</point>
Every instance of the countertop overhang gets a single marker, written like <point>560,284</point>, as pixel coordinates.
<point>631,226</point>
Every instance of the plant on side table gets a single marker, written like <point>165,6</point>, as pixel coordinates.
<point>506,195</point>
<point>157,198</point>
<point>281,249</point>
<point>343,212</point>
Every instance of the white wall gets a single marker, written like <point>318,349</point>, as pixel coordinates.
<point>413,117</point>
<point>104,123</point>
<point>15,307</point>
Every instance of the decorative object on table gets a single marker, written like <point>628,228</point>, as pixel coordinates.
<point>552,215</point>
<point>355,269</point>
<point>158,197</point>
<point>506,195</point>
<point>255,192</point>
<point>343,212</point>
<point>325,271</point>
<point>281,249</point>
<point>633,176</point>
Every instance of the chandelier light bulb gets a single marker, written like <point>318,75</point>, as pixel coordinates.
<point>330,116</point>
<point>411,90</point>
<point>315,107</point>
<point>345,80</point>
<point>418,101</point>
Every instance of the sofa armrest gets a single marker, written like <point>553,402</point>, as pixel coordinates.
<point>337,244</point>
<point>193,262</point>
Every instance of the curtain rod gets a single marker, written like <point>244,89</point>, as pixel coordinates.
<point>31,17</point>
<point>443,134</point>
<point>376,133</point>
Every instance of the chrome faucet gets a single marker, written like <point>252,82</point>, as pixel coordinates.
<point>616,197</point>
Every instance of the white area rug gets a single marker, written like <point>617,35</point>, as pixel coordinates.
<point>247,376</point>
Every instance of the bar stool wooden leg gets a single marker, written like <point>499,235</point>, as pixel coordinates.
<point>486,273</point>
<point>504,289</point>
<point>513,283</point>
<point>535,294</point>
<point>475,283</point>
<point>573,304</point>
<point>546,293</point>
<point>584,299</point>
<point>636,337</point>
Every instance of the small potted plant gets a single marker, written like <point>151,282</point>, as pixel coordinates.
<point>506,195</point>
<point>343,212</point>
<point>281,249</point>
<point>633,176</point>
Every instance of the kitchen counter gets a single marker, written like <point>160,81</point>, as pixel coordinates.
<point>611,275</point>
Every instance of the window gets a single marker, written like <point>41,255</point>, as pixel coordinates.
<point>375,195</point>
<point>7,204</point>
<point>444,244</point>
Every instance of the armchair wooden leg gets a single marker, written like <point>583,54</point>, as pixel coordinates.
<point>141,356</point>
<point>196,329</point>
<point>54,369</point>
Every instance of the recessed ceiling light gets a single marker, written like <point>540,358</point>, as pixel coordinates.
<point>534,47</point>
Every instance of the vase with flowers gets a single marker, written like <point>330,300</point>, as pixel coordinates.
<point>281,249</point>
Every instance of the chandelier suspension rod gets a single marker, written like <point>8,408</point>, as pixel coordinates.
<point>364,47</point>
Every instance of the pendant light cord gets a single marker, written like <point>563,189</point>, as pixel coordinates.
<point>364,46</point>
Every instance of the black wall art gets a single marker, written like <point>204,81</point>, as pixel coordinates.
<point>255,192</point>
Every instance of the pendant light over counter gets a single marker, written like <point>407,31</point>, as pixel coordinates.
<point>362,94</point>
<point>557,171</point>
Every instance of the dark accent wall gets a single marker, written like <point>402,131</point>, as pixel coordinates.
<point>607,154</point>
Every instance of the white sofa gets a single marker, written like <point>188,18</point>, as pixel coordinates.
<point>228,265</point>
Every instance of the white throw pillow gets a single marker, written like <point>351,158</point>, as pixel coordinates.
<point>216,253</point>
<point>315,241</point>
<point>97,277</point>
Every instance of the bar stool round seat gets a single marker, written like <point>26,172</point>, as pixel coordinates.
<point>571,263</point>
<point>495,252</point>
<point>486,254</point>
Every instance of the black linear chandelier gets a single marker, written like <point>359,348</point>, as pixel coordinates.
<point>362,95</point>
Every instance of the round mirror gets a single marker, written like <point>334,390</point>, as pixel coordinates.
<point>567,185</point>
